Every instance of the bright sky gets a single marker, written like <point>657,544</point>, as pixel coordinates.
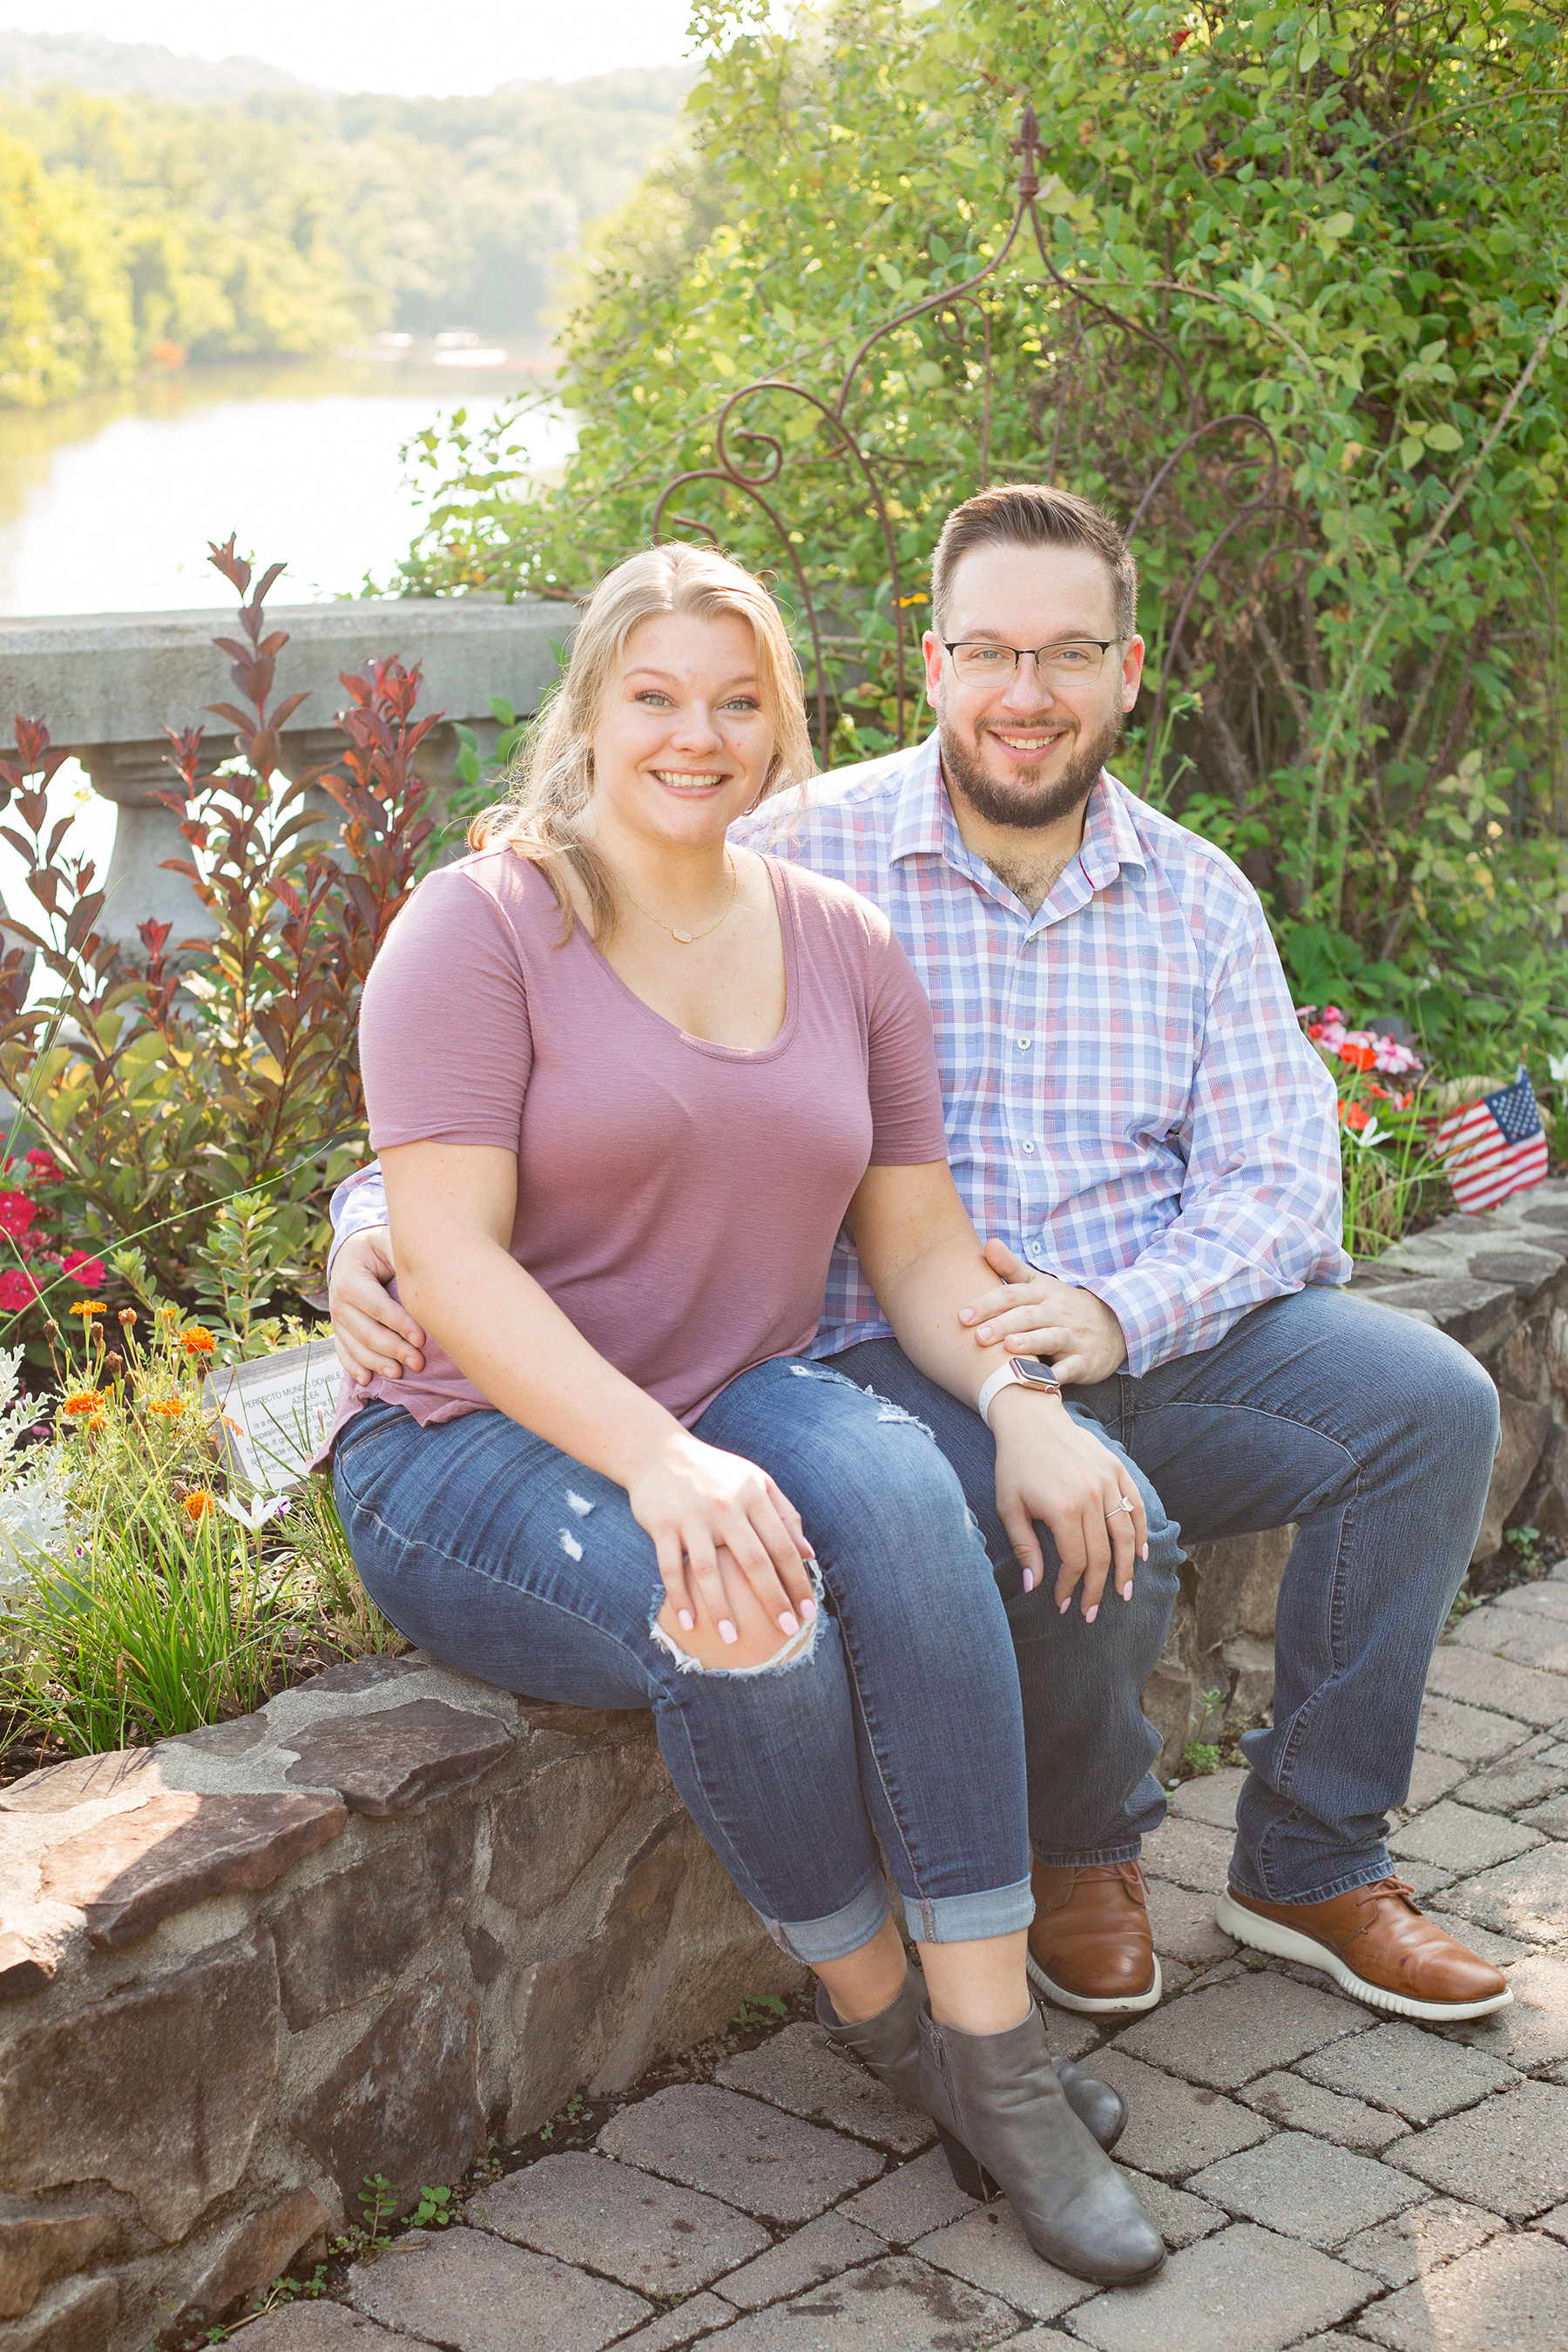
<point>405,45</point>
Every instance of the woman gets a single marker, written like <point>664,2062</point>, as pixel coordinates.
<point>610,1062</point>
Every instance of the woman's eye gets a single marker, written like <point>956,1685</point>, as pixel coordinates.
<point>652,699</point>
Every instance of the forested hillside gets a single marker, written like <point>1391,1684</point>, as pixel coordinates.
<point>289,220</point>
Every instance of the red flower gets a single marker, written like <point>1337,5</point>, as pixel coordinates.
<point>1360,1057</point>
<point>17,1214</point>
<point>46,1170</point>
<point>1355,1116</point>
<point>16,1290</point>
<point>88,1271</point>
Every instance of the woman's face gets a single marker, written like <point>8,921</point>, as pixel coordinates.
<point>682,745</point>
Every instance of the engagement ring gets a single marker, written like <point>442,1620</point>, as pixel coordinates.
<point>1126,1504</point>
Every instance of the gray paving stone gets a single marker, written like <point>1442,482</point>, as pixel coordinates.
<point>903,2205</point>
<point>1298,2105</point>
<point>1211,1797</point>
<point>820,2250</point>
<point>1510,2297</point>
<point>699,2315</point>
<point>1522,1638</point>
<point>1191,1854</point>
<point>1501,1951</point>
<point>1533,2030</point>
<point>1431,1776</point>
<point>897,2305</point>
<point>1453,1838</point>
<point>468,2291</point>
<point>1172,2128</point>
<point>1184,1926</point>
<point>1464,1732</point>
<point>1507,1787</point>
<point>658,2238</point>
<point>1070,2035</point>
<point>1551,1819</point>
<point>1475,1680</point>
<point>1181,2219</point>
<point>1420,2239</point>
<point>1244,2290</point>
<point>1556,2223</point>
<point>319,2327</point>
<point>988,2248</point>
<point>1544,1600</point>
<point>1305,2189</point>
<point>1229,2034</point>
<point>1424,1881</point>
<point>1420,2076</point>
<point>1527,1897</point>
<point>740,2150</point>
<point>800,2071</point>
<point>1511,2155</point>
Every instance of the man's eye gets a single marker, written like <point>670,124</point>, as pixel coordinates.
<point>1071,657</point>
<point>987,656</point>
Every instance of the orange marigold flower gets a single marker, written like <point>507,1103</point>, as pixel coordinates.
<point>98,1421</point>
<point>89,1306</point>
<point>197,1341</point>
<point>84,1401</point>
<point>170,1405</point>
<point>198,1504</point>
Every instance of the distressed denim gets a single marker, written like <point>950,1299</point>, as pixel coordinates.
<point>895,1724</point>
<point>1370,1433</point>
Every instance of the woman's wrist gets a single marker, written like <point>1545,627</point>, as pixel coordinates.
<point>1018,1407</point>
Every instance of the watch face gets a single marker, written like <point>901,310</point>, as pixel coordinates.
<point>1028,1367</point>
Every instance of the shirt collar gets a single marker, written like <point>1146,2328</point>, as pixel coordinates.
<point>924,814</point>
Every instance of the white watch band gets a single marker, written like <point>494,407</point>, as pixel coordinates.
<point>1005,1377</point>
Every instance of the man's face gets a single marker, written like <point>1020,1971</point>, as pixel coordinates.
<point>1020,752</point>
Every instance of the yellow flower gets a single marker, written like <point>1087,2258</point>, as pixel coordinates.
<point>198,1504</point>
<point>86,1307</point>
<point>84,1401</point>
<point>197,1341</point>
<point>169,1405</point>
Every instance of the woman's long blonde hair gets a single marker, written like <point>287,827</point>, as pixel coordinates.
<point>551,783</point>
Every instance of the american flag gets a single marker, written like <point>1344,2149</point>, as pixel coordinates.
<point>1494,1146</point>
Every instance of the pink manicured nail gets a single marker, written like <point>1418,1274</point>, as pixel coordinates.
<point>1028,1580</point>
<point>1144,1553</point>
<point>687,1621</point>
<point>1063,1606</point>
<point>808,1610</point>
<point>788,1621</point>
<point>1090,1614</point>
<point>726,1630</point>
<point>1127,1592</point>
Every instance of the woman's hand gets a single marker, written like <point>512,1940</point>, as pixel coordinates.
<point>715,1518</point>
<point>371,1332</point>
<point>1050,1469</point>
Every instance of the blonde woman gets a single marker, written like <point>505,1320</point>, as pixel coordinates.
<point>608,1061</point>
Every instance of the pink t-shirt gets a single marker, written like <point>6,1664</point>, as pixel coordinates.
<point>677,1199</point>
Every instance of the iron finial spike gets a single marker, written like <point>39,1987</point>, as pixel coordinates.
<point>1029,146</point>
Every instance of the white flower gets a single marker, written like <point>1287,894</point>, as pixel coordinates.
<point>1369,1134</point>
<point>1558,1066</point>
<point>265,1508</point>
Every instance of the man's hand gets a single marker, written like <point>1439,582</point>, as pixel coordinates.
<point>1038,1315</point>
<point>1050,1469</point>
<point>370,1330</point>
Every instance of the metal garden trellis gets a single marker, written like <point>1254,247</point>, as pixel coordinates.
<point>752,461</point>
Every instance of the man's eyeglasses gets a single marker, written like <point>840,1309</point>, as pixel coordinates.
<point>1078,661</point>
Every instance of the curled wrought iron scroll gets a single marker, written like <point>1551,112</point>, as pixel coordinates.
<point>753,462</point>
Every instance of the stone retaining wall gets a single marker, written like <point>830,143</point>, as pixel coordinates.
<point>398,1912</point>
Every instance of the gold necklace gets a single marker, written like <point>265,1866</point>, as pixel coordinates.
<point>688,938</point>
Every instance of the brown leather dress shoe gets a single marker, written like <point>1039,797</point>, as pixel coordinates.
<point>1090,1946</point>
<point>1377,1944</point>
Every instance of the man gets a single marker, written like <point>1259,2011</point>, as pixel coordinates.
<point>1136,1120</point>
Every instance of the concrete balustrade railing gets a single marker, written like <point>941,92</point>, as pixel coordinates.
<point>107,683</point>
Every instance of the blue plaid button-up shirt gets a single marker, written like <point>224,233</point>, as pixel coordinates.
<point>1130,1103</point>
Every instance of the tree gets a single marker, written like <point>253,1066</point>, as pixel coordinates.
<point>1342,228</point>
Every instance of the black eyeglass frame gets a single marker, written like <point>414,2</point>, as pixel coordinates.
<point>1101,644</point>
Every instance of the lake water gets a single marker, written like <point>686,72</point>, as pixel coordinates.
<point>107,504</point>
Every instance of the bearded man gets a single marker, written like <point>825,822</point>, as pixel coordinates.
<point>1135,1118</point>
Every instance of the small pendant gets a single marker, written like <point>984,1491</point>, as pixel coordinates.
<point>683,939</point>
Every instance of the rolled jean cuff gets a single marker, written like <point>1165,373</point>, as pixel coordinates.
<point>1087,1857</point>
<point>969,1918</point>
<point>837,1934</point>
<point>1365,1873</point>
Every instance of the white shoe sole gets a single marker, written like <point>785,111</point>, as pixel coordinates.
<point>1124,2005</point>
<point>1289,1943</point>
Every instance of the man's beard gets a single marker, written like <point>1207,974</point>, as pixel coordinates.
<point>1026,807</point>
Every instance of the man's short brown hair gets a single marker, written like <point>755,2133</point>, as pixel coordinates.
<point>1025,514</point>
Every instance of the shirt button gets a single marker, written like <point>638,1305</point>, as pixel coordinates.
<point>1024,1043</point>
<point>1028,1146</point>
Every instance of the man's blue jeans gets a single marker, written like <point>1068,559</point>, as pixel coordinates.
<point>897,1719</point>
<point>1372,1432</point>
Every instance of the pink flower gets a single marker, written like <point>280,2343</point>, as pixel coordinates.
<point>88,1271</point>
<point>46,1170</point>
<point>17,1214</point>
<point>16,1290</point>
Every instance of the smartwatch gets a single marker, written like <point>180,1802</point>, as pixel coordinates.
<point>1018,1371</point>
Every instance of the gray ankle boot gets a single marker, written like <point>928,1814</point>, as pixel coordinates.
<point>1008,2130</point>
<point>888,2046</point>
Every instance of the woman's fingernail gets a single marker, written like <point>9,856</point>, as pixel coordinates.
<point>1028,1580</point>
<point>1127,1592</point>
<point>726,1630</point>
<point>1063,1606</point>
<point>788,1621</point>
<point>1090,1614</point>
<point>1144,1553</point>
<point>808,1610</point>
<point>687,1621</point>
